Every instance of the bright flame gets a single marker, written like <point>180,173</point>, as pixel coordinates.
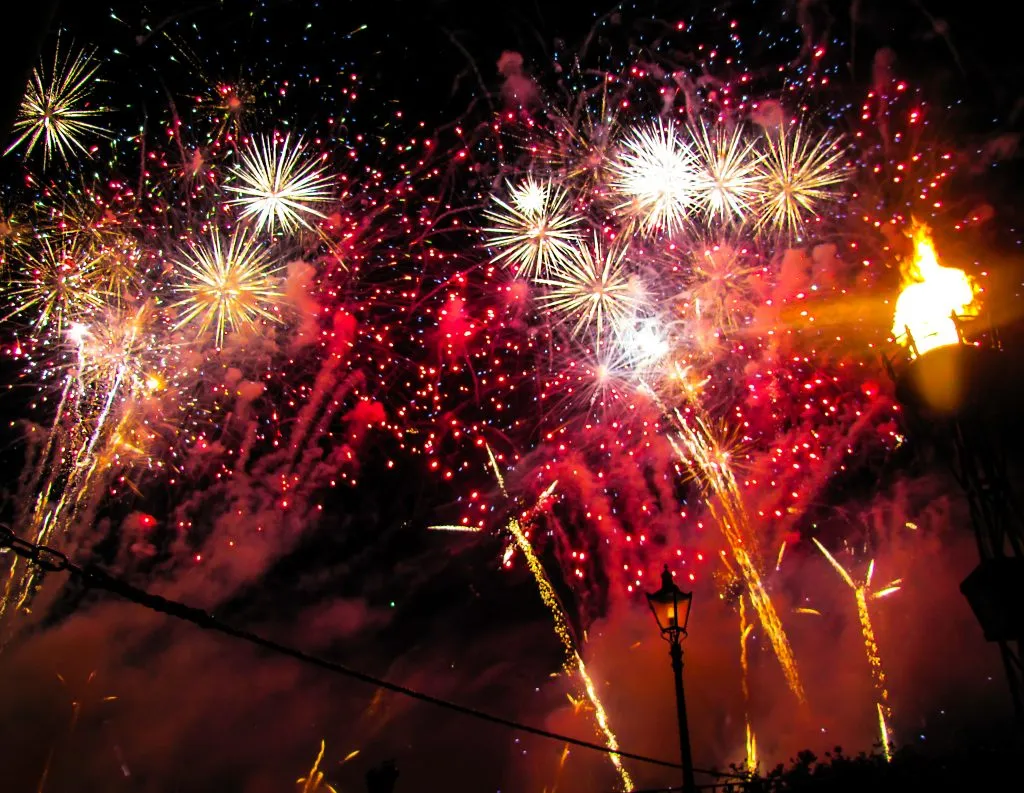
<point>931,295</point>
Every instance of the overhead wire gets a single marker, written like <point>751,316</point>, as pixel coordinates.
<point>94,577</point>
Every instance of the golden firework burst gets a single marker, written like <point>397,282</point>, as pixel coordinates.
<point>594,291</point>
<point>56,111</point>
<point>799,171</point>
<point>229,284</point>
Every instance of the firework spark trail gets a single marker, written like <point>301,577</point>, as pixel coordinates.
<point>53,461</point>
<point>861,593</point>
<point>84,431</point>
<point>564,633</point>
<point>77,473</point>
<point>701,453</point>
<point>561,766</point>
<point>831,461</point>
<point>746,628</point>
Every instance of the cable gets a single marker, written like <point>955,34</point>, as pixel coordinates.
<point>54,561</point>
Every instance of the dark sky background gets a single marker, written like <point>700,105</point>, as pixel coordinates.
<point>197,712</point>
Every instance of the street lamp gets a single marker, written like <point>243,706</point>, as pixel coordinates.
<point>671,608</point>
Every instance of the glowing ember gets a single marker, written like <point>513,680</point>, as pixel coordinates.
<point>931,295</point>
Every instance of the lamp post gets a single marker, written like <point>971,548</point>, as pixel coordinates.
<point>671,608</point>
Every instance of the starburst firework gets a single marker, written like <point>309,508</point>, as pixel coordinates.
<point>536,230</point>
<point>276,187</point>
<point>594,291</point>
<point>727,177</point>
<point>61,283</point>
<point>227,286</point>
<point>656,176</point>
<point>798,170</point>
<point>55,110</point>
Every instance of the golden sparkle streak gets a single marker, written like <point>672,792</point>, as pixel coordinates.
<point>931,294</point>
<point>574,660</point>
<point>746,628</point>
<point>228,285</point>
<point>697,446</point>
<point>861,592</point>
<point>497,472</point>
<point>314,781</point>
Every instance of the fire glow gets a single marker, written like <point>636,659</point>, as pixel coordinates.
<point>931,294</point>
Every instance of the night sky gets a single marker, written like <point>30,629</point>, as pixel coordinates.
<point>105,695</point>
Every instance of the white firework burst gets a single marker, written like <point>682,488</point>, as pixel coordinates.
<point>276,187</point>
<point>535,231</point>
<point>728,180</point>
<point>55,111</point>
<point>799,171</point>
<point>656,176</point>
<point>594,292</point>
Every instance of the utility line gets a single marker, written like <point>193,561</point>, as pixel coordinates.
<point>94,577</point>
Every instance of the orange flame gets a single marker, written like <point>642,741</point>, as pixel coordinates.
<point>931,294</point>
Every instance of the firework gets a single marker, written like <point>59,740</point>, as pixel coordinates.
<point>535,231</point>
<point>58,284</point>
<point>644,343</point>
<point>228,105</point>
<point>720,284</point>
<point>55,111</point>
<point>594,291</point>
<point>697,447</point>
<point>862,591</point>
<point>727,177</point>
<point>228,285</point>
<point>644,255</point>
<point>583,141</point>
<point>799,171</point>
<point>575,660</point>
<point>657,178</point>
<point>109,234</point>
<point>314,781</point>
<point>119,341</point>
<point>277,189</point>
